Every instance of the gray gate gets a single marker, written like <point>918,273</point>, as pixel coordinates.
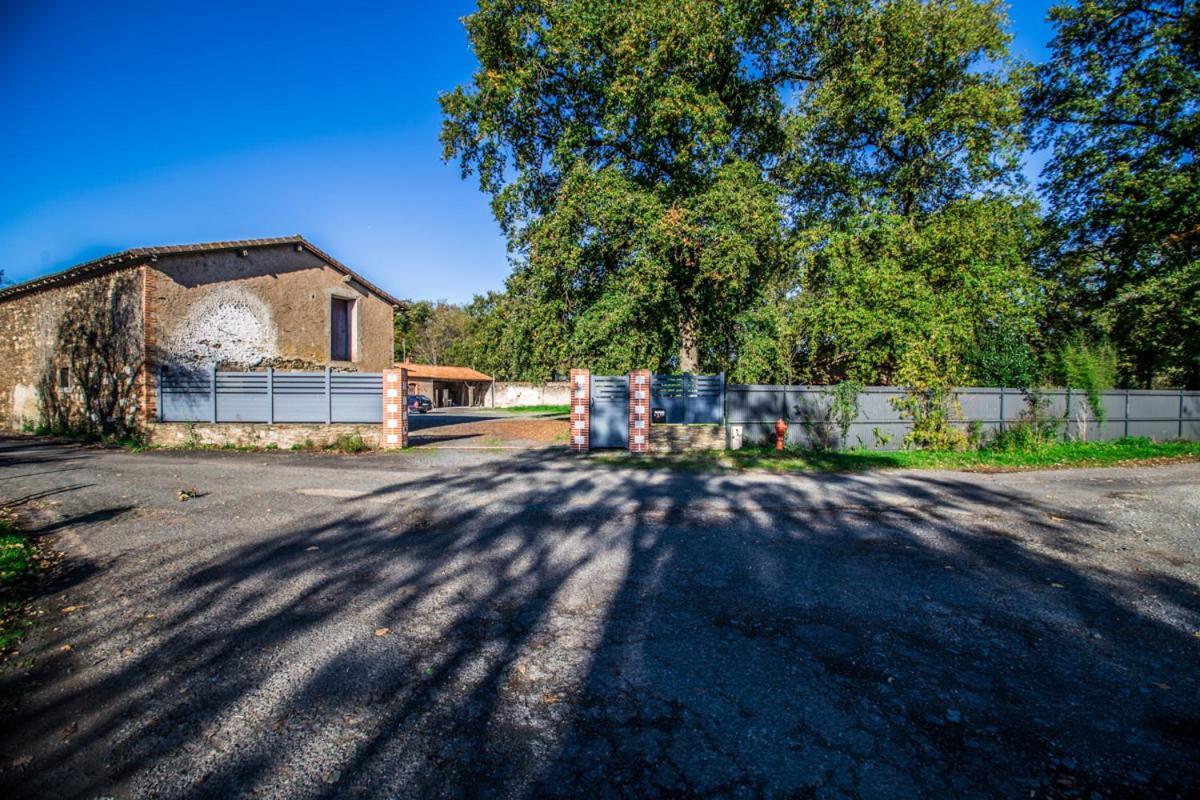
<point>689,399</point>
<point>610,411</point>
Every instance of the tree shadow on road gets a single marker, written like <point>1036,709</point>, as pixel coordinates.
<point>543,627</point>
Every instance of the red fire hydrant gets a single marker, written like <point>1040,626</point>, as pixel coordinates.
<point>780,434</point>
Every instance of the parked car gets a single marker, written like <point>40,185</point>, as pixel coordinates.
<point>419,403</point>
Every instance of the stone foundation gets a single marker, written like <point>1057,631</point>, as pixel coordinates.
<point>683,438</point>
<point>253,434</point>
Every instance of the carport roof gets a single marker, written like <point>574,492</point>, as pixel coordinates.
<point>442,373</point>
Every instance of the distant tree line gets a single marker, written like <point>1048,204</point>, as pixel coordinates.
<point>829,192</point>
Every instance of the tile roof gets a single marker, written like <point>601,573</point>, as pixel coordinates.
<point>442,373</point>
<point>138,255</point>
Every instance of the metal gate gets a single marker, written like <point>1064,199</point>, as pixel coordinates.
<point>610,411</point>
<point>689,399</point>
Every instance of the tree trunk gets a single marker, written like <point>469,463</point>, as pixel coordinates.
<point>689,348</point>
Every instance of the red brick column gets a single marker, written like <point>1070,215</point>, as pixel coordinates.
<point>580,435</point>
<point>395,409</point>
<point>639,411</point>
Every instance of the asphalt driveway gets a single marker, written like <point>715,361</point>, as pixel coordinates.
<point>417,625</point>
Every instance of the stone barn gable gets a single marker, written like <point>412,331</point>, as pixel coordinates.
<point>247,304</point>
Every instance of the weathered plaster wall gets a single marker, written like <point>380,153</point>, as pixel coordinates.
<point>270,307</point>
<point>505,394</point>
<point>29,329</point>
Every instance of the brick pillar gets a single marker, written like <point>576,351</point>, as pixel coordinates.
<point>639,411</point>
<point>581,411</point>
<point>395,409</point>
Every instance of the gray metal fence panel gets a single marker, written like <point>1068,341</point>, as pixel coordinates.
<point>300,397</point>
<point>185,396</point>
<point>357,397</point>
<point>242,397</point>
<point>752,409</point>
<point>297,397</point>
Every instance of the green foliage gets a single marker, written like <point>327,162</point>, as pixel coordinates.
<point>1118,102</point>
<point>933,411</point>
<point>831,191</point>
<point>432,333</point>
<point>1052,456</point>
<point>876,295</point>
<point>21,560</point>
<point>348,443</point>
<point>843,406</point>
<point>1080,364</point>
<point>623,145</point>
<point>1034,430</point>
<point>1002,356</point>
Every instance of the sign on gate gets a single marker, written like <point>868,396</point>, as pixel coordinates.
<point>610,411</point>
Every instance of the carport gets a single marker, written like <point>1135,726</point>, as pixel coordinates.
<point>447,385</point>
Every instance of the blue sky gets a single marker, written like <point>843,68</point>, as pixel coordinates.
<point>141,123</point>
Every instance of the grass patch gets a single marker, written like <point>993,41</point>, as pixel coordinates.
<point>21,564</point>
<point>550,411</point>
<point>1055,456</point>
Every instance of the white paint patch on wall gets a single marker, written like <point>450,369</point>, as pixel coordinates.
<point>229,325</point>
<point>24,403</point>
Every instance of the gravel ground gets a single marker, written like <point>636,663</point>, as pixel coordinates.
<point>534,624</point>
<point>470,427</point>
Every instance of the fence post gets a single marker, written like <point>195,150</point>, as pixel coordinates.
<point>395,408</point>
<point>724,410</point>
<point>1067,416</point>
<point>1002,409</point>
<point>581,410</point>
<point>639,411</point>
<point>1180,414</point>
<point>328,396</point>
<point>1126,413</point>
<point>212,377</point>
<point>270,395</point>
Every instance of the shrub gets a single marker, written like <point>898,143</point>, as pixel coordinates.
<point>1090,366</point>
<point>1033,430</point>
<point>349,443</point>
<point>932,412</point>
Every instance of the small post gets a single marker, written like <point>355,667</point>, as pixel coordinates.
<point>270,395</point>
<point>212,377</point>
<point>328,395</point>
<point>1127,412</point>
<point>1002,409</point>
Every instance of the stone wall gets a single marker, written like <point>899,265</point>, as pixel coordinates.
<point>31,327</point>
<point>248,434</point>
<point>269,307</point>
<point>684,438</point>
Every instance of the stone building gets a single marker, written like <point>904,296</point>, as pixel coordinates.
<point>90,339</point>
